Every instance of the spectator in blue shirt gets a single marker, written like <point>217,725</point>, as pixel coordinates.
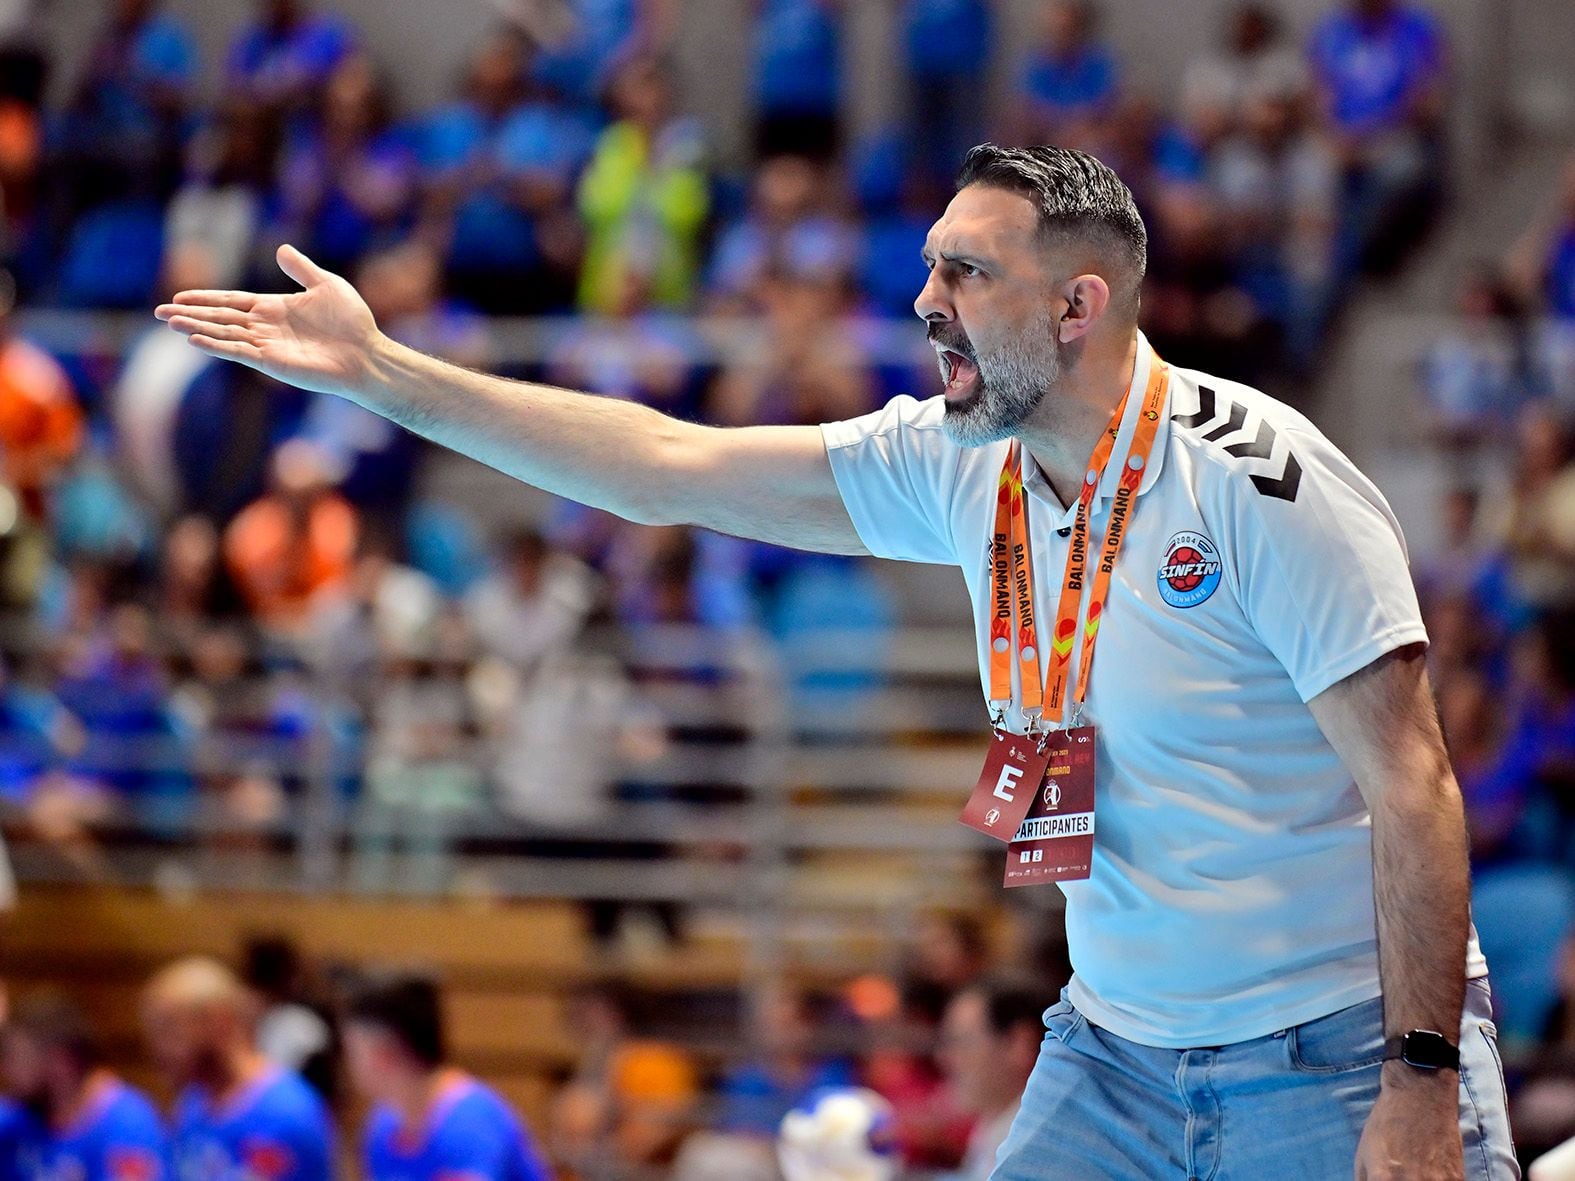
<point>430,1121</point>
<point>89,1125</point>
<point>604,33</point>
<point>348,184</point>
<point>756,1094</point>
<point>948,50</point>
<point>285,58</point>
<point>797,77</point>
<point>1068,85</point>
<point>1378,67</point>
<point>36,734</point>
<point>238,1115</point>
<point>498,167</point>
<point>18,1140</point>
<point>131,97</point>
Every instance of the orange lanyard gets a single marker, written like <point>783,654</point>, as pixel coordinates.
<point>1012,576</point>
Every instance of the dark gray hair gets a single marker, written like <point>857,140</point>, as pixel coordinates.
<point>1076,195</point>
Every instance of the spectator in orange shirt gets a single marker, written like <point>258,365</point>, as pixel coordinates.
<point>295,541</point>
<point>40,421</point>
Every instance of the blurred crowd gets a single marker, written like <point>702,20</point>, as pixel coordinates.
<point>222,588</point>
<point>286,1070</point>
<point>1498,386</point>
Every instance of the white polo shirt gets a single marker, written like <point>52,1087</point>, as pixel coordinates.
<point>1231,894</point>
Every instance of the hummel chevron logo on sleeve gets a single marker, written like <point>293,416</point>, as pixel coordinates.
<point>1283,485</point>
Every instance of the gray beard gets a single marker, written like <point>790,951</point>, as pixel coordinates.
<point>1011,385</point>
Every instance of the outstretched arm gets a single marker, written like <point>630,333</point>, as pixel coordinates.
<point>769,483</point>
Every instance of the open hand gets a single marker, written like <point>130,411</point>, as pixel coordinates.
<point>320,338</point>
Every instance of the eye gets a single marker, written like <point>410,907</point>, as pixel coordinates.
<point>968,270</point>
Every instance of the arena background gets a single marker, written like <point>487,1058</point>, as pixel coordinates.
<point>672,817</point>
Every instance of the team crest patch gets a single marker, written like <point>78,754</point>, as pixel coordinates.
<point>1190,571</point>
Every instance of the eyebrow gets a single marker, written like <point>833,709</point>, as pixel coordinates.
<point>967,257</point>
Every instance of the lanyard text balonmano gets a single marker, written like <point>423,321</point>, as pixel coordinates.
<point>1012,577</point>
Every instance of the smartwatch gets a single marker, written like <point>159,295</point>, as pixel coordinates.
<point>1425,1048</point>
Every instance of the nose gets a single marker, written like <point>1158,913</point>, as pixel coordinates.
<point>933,303</point>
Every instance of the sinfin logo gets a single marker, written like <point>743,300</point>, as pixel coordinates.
<point>1190,571</point>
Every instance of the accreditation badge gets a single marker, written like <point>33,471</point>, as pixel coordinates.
<point>1055,842</point>
<point>1013,769</point>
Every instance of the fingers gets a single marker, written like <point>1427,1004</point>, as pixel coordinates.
<point>206,315</point>
<point>232,350</point>
<point>208,328</point>
<point>300,268</point>
<point>241,301</point>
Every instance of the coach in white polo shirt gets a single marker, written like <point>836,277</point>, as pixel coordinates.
<point>1275,972</point>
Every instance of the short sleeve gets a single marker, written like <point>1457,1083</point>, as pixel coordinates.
<point>1321,565</point>
<point>897,470</point>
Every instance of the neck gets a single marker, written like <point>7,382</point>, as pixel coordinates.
<point>1062,431</point>
<point>68,1101</point>
<point>234,1069</point>
<point>412,1096</point>
<point>998,1105</point>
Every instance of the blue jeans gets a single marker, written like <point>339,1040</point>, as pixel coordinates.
<point>1290,1104</point>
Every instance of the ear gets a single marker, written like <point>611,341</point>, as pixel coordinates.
<point>1087,297</point>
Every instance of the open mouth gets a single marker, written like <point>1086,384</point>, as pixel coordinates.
<point>959,371</point>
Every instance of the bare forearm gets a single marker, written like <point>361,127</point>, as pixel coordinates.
<point>603,452</point>
<point>1422,889</point>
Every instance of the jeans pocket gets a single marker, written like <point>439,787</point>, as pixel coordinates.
<point>1349,1039</point>
<point>1061,1020</point>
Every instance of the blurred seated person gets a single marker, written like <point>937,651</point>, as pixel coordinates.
<point>592,38</point>
<point>1278,187</point>
<point>1541,266</point>
<point>792,225</point>
<point>219,207</point>
<point>1543,260</point>
<point>797,77</point>
<point>947,46</point>
<point>41,424</point>
<point>295,542</point>
<point>631,1099</point>
<point>811,366</point>
<point>131,95</point>
<point>1474,373</point>
<point>1253,59</point>
<point>534,604</point>
<point>283,59</point>
<point>430,1120</point>
<point>989,1043</point>
<point>237,1114</point>
<point>1379,70</point>
<point>782,1068</point>
<point>422,774</point>
<point>1540,536</point>
<point>644,196</point>
<point>116,683</point>
<point>497,170</point>
<point>91,1125</point>
<point>1194,303</point>
<point>949,952</point>
<point>1068,84</point>
<point>633,351</point>
<point>37,735</point>
<point>348,183</point>
<point>1520,802</point>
